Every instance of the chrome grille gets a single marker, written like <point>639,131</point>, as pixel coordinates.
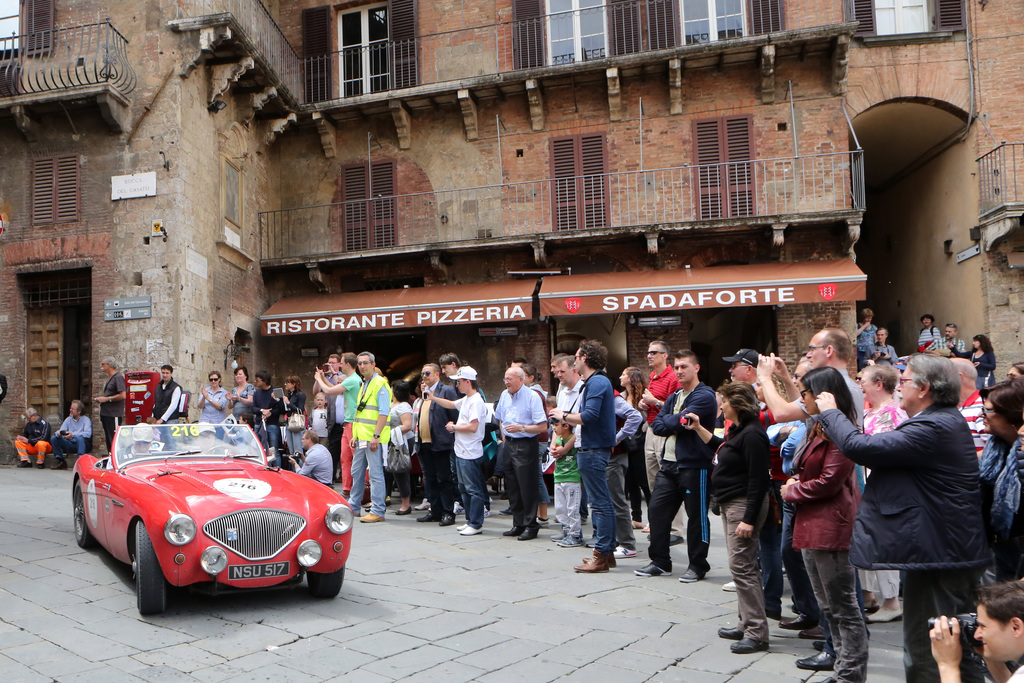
<point>258,534</point>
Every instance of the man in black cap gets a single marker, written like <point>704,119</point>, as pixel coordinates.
<point>743,366</point>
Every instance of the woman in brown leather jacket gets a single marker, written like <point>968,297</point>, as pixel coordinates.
<point>826,496</point>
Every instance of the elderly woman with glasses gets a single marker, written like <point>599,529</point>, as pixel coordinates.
<point>1001,463</point>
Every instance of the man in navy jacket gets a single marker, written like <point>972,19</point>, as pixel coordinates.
<point>436,445</point>
<point>921,509</point>
<point>685,474</point>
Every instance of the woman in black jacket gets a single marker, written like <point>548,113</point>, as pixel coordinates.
<point>294,404</point>
<point>741,479</point>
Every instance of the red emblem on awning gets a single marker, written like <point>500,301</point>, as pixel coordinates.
<point>827,291</point>
<point>573,305</point>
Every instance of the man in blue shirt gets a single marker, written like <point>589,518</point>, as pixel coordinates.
<point>75,434</point>
<point>521,413</point>
<point>317,464</point>
<point>597,437</point>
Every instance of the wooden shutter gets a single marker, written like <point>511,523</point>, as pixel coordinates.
<point>316,53</point>
<point>368,213</point>
<point>579,185</point>
<point>40,19</point>
<point>44,178</point>
<point>624,22</point>
<point>709,153</point>
<point>737,152</point>
<point>864,12</point>
<point>55,190</point>
<point>563,166</point>
<point>66,204</point>
<point>354,211</point>
<point>527,33</point>
<point>950,15</point>
<point>662,24</point>
<point>402,25</point>
<point>10,78</point>
<point>383,204</point>
<point>595,196</point>
<point>765,16</point>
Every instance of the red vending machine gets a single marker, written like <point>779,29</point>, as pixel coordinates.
<point>141,390</point>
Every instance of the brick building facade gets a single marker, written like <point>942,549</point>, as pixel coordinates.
<point>308,154</point>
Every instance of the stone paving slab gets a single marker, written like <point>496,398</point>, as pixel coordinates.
<point>419,601</point>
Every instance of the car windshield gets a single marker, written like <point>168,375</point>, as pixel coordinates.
<point>139,442</point>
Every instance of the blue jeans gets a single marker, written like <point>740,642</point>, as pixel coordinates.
<point>804,602</point>
<point>60,444</point>
<point>360,457</point>
<point>593,464</point>
<point>274,441</point>
<point>473,489</point>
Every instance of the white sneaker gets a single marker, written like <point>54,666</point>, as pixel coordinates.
<point>425,505</point>
<point>458,508</point>
<point>470,531</point>
<point>622,553</point>
<point>487,513</point>
<point>460,528</point>
<point>729,587</point>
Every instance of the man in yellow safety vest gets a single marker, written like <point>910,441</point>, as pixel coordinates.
<point>369,431</point>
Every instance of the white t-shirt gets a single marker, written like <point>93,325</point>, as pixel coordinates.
<point>469,445</point>
<point>1018,676</point>
<point>318,422</point>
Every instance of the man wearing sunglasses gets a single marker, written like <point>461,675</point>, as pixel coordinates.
<point>436,446</point>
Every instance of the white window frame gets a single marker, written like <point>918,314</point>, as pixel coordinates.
<point>364,31</point>
<point>712,6</point>
<point>900,9</point>
<point>577,28</point>
<point>10,24</point>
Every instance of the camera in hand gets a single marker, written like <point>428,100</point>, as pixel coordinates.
<point>553,421</point>
<point>968,626</point>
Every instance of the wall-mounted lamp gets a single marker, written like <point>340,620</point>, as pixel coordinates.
<point>216,106</point>
<point>167,162</point>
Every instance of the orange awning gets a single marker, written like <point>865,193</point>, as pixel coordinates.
<point>654,291</point>
<point>482,303</point>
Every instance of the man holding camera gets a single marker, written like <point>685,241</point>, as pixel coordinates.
<point>996,633</point>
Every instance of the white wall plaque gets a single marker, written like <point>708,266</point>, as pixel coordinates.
<point>129,186</point>
<point>195,262</point>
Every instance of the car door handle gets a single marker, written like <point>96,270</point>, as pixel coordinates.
<point>117,503</point>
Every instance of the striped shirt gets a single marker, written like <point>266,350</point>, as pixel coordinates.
<point>973,412</point>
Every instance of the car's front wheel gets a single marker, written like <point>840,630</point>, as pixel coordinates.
<point>83,536</point>
<point>325,585</point>
<point>150,586</point>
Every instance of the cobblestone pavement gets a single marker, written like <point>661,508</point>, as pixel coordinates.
<point>418,600</point>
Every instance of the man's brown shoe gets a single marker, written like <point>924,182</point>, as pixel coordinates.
<point>370,517</point>
<point>597,563</point>
<point>59,465</point>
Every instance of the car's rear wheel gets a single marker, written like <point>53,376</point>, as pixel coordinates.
<point>325,585</point>
<point>150,586</point>
<point>83,536</point>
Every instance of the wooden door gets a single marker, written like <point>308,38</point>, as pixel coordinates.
<point>44,366</point>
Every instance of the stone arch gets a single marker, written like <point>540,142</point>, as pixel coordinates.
<point>233,141</point>
<point>879,75</point>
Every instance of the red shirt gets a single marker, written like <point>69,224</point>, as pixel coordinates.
<point>662,386</point>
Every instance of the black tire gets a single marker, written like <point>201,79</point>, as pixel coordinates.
<point>83,536</point>
<point>150,586</point>
<point>325,585</point>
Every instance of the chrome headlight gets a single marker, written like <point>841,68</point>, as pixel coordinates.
<point>180,529</point>
<point>309,553</point>
<point>338,518</point>
<point>214,560</point>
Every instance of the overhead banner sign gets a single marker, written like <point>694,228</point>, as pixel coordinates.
<point>721,287</point>
<point>369,320</point>
<point>487,303</point>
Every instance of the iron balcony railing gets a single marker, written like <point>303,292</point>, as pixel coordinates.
<point>1001,176</point>
<point>62,58</point>
<point>607,30</point>
<point>761,190</point>
<point>252,17</point>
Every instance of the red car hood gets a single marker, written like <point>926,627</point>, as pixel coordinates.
<point>210,488</point>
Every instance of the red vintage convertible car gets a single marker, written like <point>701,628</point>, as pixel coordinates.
<point>196,505</point>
